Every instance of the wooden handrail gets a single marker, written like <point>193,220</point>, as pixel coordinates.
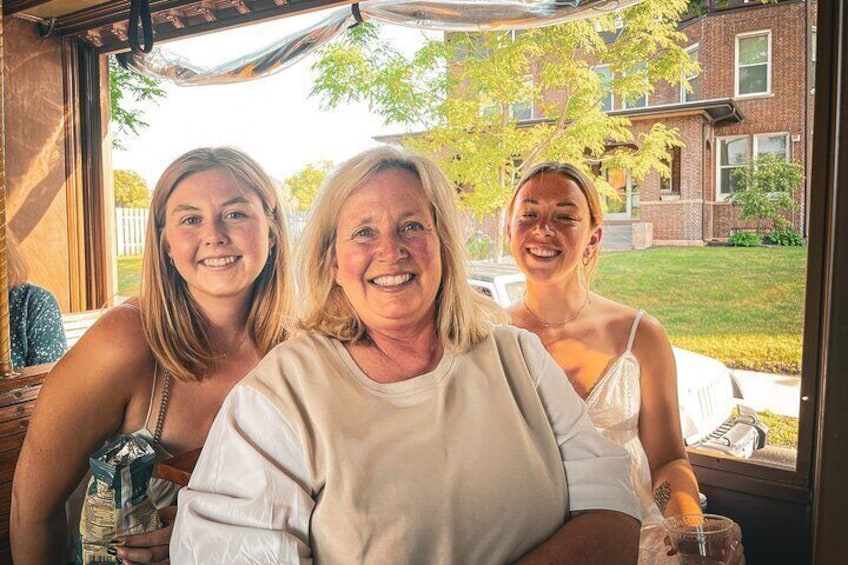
<point>178,469</point>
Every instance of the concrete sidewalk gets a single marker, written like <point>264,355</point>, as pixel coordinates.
<point>780,394</point>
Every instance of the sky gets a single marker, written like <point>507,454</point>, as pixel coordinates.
<point>273,119</point>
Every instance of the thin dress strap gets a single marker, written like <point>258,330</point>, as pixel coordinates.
<point>152,395</point>
<point>639,315</point>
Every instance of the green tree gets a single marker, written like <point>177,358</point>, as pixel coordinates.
<point>303,185</point>
<point>467,92</point>
<point>126,90</point>
<point>766,190</point>
<point>130,189</point>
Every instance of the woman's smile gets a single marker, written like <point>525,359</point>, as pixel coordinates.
<point>392,281</point>
<point>219,262</point>
<point>543,252</point>
<point>387,252</point>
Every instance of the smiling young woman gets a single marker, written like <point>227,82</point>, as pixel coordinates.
<point>214,299</point>
<point>619,360</point>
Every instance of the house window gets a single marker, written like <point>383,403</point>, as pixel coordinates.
<point>624,204</point>
<point>670,186</point>
<point>639,101</point>
<point>693,81</point>
<point>604,72</point>
<point>813,43</point>
<point>776,144</point>
<point>523,109</point>
<point>609,33</point>
<point>753,64</point>
<point>733,154</point>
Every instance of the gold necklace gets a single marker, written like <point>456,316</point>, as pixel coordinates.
<point>233,350</point>
<point>549,324</point>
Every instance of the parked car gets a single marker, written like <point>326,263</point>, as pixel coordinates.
<point>712,414</point>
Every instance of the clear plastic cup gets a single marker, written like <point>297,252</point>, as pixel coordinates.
<point>703,539</point>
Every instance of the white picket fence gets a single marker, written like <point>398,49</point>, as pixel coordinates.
<point>130,224</point>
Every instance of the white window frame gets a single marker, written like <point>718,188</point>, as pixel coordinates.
<point>814,37</point>
<point>686,79</point>
<point>527,82</point>
<point>719,195</point>
<point>784,134</point>
<point>626,106</point>
<point>768,91</point>
<point>611,94</point>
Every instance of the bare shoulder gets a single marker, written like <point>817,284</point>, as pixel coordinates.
<point>114,346</point>
<point>651,334</point>
<point>653,351</point>
<point>617,317</point>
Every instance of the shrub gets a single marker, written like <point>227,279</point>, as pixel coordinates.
<point>786,238</point>
<point>744,239</point>
<point>766,190</point>
<point>478,248</point>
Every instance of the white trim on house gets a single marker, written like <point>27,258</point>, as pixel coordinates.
<point>684,96</point>
<point>719,195</point>
<point>752,150</point>
<point>768,63</point>
<point>610,93</point>
<point>646,96</point>
<point>784,134</point>
<point>527,83</point>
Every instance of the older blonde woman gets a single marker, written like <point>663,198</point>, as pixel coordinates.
<point>214,299</point>
<point>404,427</point>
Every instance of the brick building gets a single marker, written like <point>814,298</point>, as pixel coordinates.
<point>754,95</point>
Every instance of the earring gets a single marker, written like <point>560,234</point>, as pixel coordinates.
<point>585,260</point>
<point>171,259</point>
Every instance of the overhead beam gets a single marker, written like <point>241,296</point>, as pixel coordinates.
<point>12,7</point>
<point>112,12</point>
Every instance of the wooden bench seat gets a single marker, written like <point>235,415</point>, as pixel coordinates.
<point>78,323</point>
<point>17,399</point>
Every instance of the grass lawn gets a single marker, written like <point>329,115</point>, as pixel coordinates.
<point>129,275</point>
<point>741,305</point>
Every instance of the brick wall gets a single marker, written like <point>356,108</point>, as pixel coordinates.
<point>694,215</point>
<point>783,110</point>
<point>786,109</point>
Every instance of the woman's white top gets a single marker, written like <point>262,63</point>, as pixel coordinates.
<point>477,461</point>
<point>614,406</point>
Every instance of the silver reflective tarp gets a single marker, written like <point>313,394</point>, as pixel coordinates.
<point>281,54</point>
<point>436,15</point>
<point>482,15</point>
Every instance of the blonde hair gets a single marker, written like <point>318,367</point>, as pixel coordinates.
<point>586,186</point>
<point>174,327</point>
<point>463,316</point>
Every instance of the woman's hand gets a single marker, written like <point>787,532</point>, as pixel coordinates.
<point>151,547</point>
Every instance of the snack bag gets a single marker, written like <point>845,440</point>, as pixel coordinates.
<point>116,501</point>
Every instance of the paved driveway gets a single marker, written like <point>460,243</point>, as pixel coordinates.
<point>780,394</point>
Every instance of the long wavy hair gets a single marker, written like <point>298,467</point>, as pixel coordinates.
<point>586,186</point>
<point>175,329</point>
<point>463,316</point>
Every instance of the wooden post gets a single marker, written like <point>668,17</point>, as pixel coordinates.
<point>6,369</point>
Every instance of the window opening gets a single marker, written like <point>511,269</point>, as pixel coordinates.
<point>753,64</point>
